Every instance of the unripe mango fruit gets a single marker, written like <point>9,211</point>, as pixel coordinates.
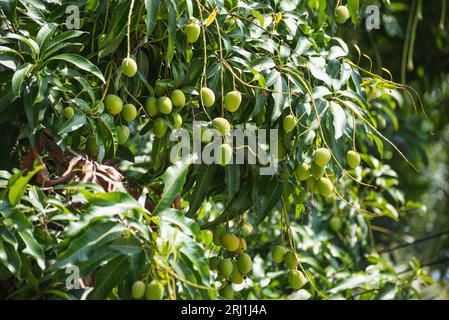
<point>290,260</point>
<point>122,134</point>
<point>226,291</point>
<point>233,100</point>
<point>230,242</point>
<point>278,254</point>
<point>236,277</point>
<point>206,135</point>
<point>178,98</point>
<point>311,185</point>
<point>303,172</point>
<point>322,156</point>
<point>341,14</point>
<point>325,186</point>
<point>223,154</point>
<point>296,279</point>
<point>242,246</point>
<point>129,112</point>
<point>159,127</point>
<point>113,104</point>
<point>218,233</point>
<point>207,97</point>
<point>246,229</point>
<point>192,31</point>
<point>222,125</point>
<point>129,67</point>
<point>151,106</point>
<point>155,291</point>
<point>316,171</point>
<point>91,146</point>
<point>164,105</point>
<point>335,224</point>
<point>138,289</point>
<point>289,123</point>
<point>353,159</point>
<point>214,263</point>
<point>177,120</point>
<point>159,89</point>
<point>245,263</point>
<point>226,267</point>
<point>69,113</point>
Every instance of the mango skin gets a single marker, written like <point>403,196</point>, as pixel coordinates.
<point>278,254</point>
<point>164,105</point>
<point>233,100</point>
<point>155,291</point>
<point>192,32</point>
<point>129,67</point>
<point>296,279</point>
<point>322,156</point>
<point>151,106</point>
<point>353,159</point>
<point>178,98</point>
<point>138,289</point>
<point>207,97</point>
<point>113,104</point>
<point>341,14</point>
<point>289,123</point>
<point>69,113</point>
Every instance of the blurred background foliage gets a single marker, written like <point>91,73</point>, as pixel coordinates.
<point>420,30</point>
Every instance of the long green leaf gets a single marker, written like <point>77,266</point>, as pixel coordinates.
<point>81,63</point>
<point>29,42</point>
<point>174,179</point>
<point>279,97</point>
<point>83,246</point>
<point>353,7</point>
<point>9,9</point>
<point>188,226</point>
<point>152,7</point>
<point>232,179</point>
<point>266,201</point>
<point>59,42</point>
<point>19,76</point>
<point>76,122</point>
<point>17,189</point>
<point>45,33</point>
<point>32,247</point>
<point>101,206</point>
<point>241,202</point>
<point>202,188</point>
<point>10,258</point>
<point>109,276</point>
<point>171,7</point>
<point>8,62</point>
<point>108,122</point>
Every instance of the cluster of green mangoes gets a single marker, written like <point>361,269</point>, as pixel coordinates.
<point>313,173</point>
<point>115,106</point>
<point>152,291</point>
<point>295,277</point>
<point>232,101</point>
<point>234,263</point>
<point>164,108</point>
